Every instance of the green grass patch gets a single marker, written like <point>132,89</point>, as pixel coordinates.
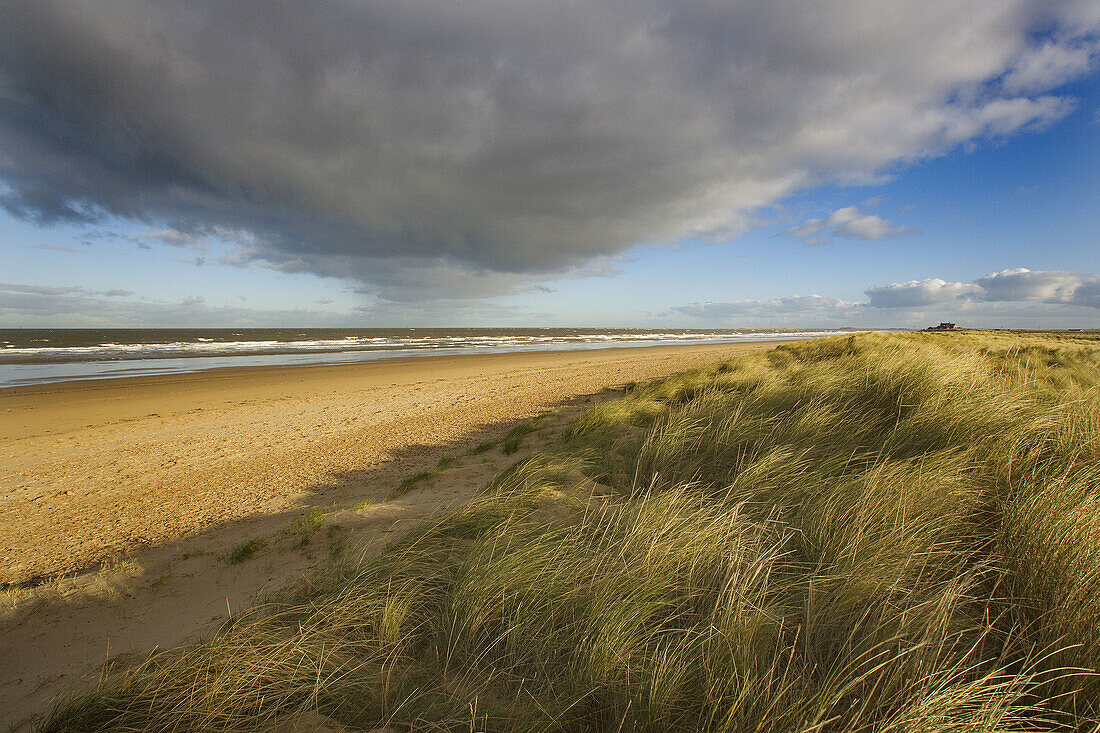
<point>514,438</point>
<point>306,526</point>
<point>483,447</point>
<point>246,550</point>
<point>446,462</point>
<point>412,482</point>
<point>308,523</point>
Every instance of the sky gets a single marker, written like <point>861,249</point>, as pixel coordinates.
<point>658,163</point>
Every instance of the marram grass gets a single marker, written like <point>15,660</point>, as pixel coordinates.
<point>869,533</point>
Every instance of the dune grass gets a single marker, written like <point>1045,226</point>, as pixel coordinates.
<point>869,533</point>
<point>514,439</point>
<point>245,550</point>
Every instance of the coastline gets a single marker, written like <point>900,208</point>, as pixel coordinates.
<point>126,354</point>
<point>102,467</point>
<point>121,500</point>
<point>280,373</point>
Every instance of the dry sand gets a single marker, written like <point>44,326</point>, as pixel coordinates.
<point>120,500</point>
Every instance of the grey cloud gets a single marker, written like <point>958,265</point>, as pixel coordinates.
<point>1088,294</point>
<point>80,307</point>
<point>33,305</point>
<point>848,222</point>
<point>1049,65</point>
<point>407,279</point>
<point>496,144</point>
<point>464,311</point>
<point>39,289</point>
<point>799,306</point>
<point>55,291</point>
<point>169,236</point>
<point>1003,117</point>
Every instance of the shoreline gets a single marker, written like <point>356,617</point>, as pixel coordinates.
<point>96,370</point>
<point>244,372</point>
<point>92,470</point>
<point>121,500</point>
<point>17,403</point>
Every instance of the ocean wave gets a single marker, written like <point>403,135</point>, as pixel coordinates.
<point>205,346</point>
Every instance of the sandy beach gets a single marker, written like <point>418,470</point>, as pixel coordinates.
<point>119,499</point>
<point>92,470</point>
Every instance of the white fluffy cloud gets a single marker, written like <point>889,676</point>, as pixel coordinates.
<point>1052,286</point>
<point>919,293</point>
<point>848,222</point>
<point>1018,285</point>
<point>1050,64</point>
<point>1025,295</point>
<point>470,139</point>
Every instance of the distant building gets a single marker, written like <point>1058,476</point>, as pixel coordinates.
<point>943,327</point>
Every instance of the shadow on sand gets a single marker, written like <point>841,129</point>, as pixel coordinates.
<point>60,634</point>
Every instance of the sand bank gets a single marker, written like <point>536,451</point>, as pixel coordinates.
<point>93,470</point>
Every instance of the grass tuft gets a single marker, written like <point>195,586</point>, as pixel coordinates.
<point>514,439</point>
<point>483,447</point>
<point>246,550</point>
<point>411,482</point>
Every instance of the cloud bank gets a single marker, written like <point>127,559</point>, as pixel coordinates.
<point>49,307</point>
<point>439,150</point>
<point>1018,285</point>
<point>1019,293</point>
<point>75,306</point>
<point>1015,298</point>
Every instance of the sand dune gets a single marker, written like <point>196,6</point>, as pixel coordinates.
<point>139,488</point>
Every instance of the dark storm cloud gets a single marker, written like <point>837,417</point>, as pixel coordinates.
<point>442,149</point>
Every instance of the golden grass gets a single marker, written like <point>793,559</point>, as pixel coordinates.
<point>866,533</point>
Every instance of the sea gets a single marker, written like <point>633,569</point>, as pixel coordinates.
<point>40,356</point>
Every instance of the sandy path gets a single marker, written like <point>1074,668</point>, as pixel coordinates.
<point>173,472</point>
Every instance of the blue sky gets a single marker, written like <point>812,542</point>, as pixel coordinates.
<point>851,212</point>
